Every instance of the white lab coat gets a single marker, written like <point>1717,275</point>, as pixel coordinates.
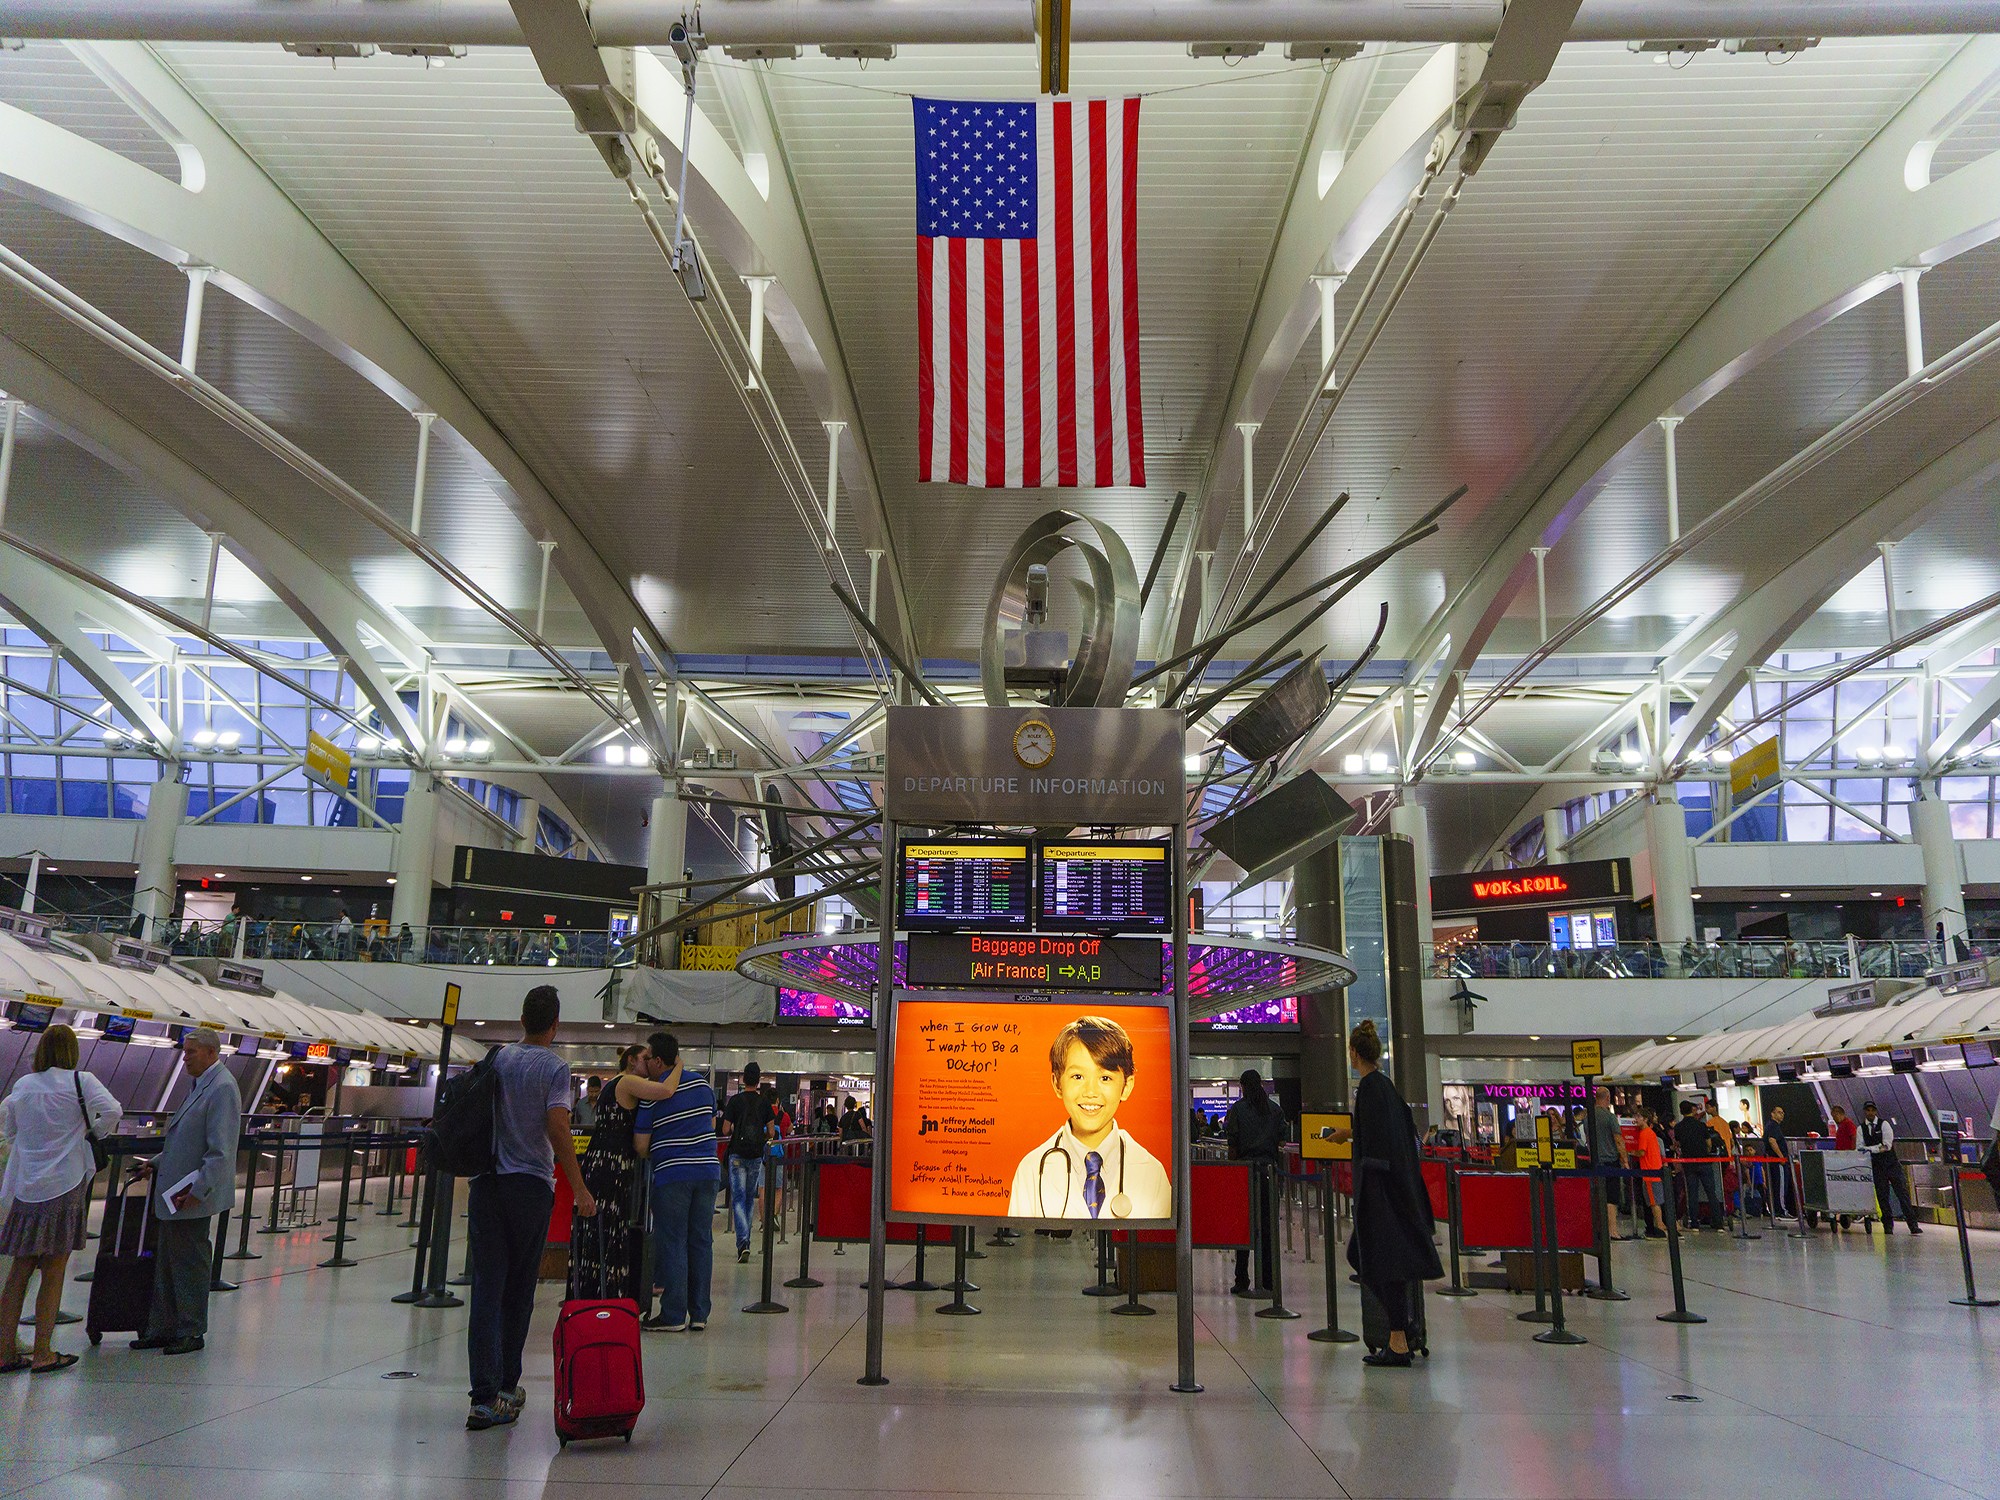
<point>1049,1182</point>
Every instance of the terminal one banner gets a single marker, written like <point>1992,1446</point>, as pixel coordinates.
<point>1032,1111</point>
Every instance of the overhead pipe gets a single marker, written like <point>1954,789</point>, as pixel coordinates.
<point>645,23</point>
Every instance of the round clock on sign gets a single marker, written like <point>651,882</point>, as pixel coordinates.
<point>1034,744</point>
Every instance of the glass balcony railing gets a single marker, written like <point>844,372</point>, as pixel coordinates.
<point>512,947</point>
<point>1802,959</point>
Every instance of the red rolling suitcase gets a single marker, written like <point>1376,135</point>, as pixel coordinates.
<point>600,1378</point>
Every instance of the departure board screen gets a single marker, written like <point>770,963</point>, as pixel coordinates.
<point>965,883</point>
<point>1106,887</point>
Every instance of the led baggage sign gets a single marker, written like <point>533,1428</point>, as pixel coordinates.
<point>1038,961</point>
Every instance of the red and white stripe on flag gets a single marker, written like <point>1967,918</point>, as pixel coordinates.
<point>1028,347</point>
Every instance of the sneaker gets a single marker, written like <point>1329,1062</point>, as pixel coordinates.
<point>1656,1234</point>
<point>696,1325</point>
<point>497,1413</point>
<point>743,1257</point>
<point>658,1324</point>
<point>514,1399</point>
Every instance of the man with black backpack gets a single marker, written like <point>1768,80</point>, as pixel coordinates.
<point>521,1097</point>
<point>746,1121</point>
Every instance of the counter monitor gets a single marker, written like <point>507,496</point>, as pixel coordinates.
<point>117,1028</point>
<point>1977,1054</point>
<point>1103,886</point>
<point>949,884</point>
<point>33,1017</point>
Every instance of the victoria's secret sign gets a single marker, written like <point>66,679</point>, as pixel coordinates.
<point>1547,885</point>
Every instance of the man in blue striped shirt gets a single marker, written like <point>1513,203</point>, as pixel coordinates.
<point>677,1138</point>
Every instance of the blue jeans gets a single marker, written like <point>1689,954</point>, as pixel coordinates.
<point>509,1225</point>
<point>746,1175</point>
<point>683,1247</point>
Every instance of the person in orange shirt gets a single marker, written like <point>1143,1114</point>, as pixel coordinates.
<point>1652,1161</point>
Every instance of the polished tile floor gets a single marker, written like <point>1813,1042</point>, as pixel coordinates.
<point>1828,1367</point>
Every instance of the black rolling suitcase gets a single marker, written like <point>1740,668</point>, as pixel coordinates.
<point>1375,1321</point>
<point>121,1283</point>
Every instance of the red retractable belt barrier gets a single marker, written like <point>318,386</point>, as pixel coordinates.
<point>1494,1215</point>
<point>1219,1206</point>
<point>1434,1180</point>
<point>844,1208</point>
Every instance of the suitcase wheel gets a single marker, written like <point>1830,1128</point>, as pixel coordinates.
<point>628,1439</point>
<point>562,1441</point>
<point>96,1339</point>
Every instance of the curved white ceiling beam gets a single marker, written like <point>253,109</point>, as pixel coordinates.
<point>331,610</point>
<point>1837,253</point>
<point>1761,622</point>
<point>1320,235</point>
<point>60,610</point>
<point>269,254</point>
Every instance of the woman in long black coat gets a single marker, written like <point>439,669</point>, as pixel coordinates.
<point>1391,1248</point>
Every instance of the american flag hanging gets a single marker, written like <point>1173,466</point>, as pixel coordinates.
<point>1028,293</point>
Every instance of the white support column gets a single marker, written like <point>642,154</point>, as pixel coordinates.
<point>1673,870</point>
<point>1412,821</point>
<point>12,407</point>
<point>34,884</point>
<point>1944,868</point>
<point>833,432</point>
<point>542,594</point>
<point>1555,835</point>
<point>874,578</point>
<point>666,855</point>
<point>156,884</point>
<point>1207,561</point>
<point>1249,431</point>
<point>1888,588</point>
<point>198,277</point>
<point>526,817</point>
<point>1329,328</point>
<point>1542,592</point>
<point>208,594</point>
<point>415,855</point>
<point>758,285</point>
<point>1913,318</point>
<point>1668,426</point>
<point>424,421</point>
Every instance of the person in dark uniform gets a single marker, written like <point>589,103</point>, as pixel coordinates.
<point>1878,1139</point>
<point>1779,1145</point>
<point>1256,1131</point>
<point>1391,1247</point>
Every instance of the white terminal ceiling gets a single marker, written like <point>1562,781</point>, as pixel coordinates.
<point>1628,197</point>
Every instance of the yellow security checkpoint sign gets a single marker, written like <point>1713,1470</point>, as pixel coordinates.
<point>451,993</point>
<point>1565,1159</point>
<point>1545,1141</point>
<point>1586,1059</point>
<point>1755,769</point>
<point>326,762</point>
<point>1315,1142</point>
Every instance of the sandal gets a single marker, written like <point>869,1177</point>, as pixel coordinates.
<point>60,1362</point>
<point>16,1365</point>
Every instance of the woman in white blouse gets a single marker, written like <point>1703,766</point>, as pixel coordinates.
<point>48,1120</point>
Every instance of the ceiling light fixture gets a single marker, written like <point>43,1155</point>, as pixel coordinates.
<point>1874,893</point>
<point>614,755</point>
<point>1784,895</point>
<point>1353,765</point>
<point>455,745</point>
<point>204,737</point>
<point>305,877</point>
<point>1630,757</point>
<point>481,746</point>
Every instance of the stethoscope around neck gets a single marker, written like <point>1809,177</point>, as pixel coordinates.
<point>1120,1205</point>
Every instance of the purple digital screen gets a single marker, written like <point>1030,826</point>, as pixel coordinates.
<point>819,1010</point>
<point>1264,1013</point>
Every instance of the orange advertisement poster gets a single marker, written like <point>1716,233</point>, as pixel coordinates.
<point>1032,1111</point>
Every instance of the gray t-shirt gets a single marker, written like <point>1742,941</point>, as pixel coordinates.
<point>533,1081</point>
<point>1605,1134</point>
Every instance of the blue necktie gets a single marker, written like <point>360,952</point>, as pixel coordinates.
<point>1093,1182</point>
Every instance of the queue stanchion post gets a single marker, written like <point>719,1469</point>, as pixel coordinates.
<point>421,1192</point>
<point>443,1200</point>
<point>249,1214</point>
<point>1260,1235</point>
<point>1132,1307</point>
<point>1971,1297</point>
<point>1277,1309</point>
<point>766,1303</point>
<point>1600,1208</point>
<point>958,1307</point>
<point>1539,1313</point>
<point>1557,1332</point>
<point>395,1184</point>
<point>1742,1219</point>
<point>808,1213</point>
<point>339,1258</point>
<point>1333,1333</point>
<point>277,1184</point>
<point>1799,1229</point>
<point>1453,1235</point>
<point>464,1276</point>
<point>918,1281</point>
<point>215,1281</point>
<point>1103,1288</point>
<point>972,1250</point>
<point>419,1182</point>
<point>1680,1314</point>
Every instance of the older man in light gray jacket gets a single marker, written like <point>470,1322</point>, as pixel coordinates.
<point>201,1141</point>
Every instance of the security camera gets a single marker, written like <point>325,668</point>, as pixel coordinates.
<point>686,44</point>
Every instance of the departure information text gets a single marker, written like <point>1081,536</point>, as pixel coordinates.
<point>964,884</point>
<point>1106,887</point>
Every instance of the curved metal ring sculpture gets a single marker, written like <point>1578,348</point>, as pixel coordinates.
<point>1102,671</point>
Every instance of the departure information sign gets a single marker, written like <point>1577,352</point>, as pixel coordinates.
<point>964,883</point>
<point>1106,887</point>
<point>1033,961</point>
